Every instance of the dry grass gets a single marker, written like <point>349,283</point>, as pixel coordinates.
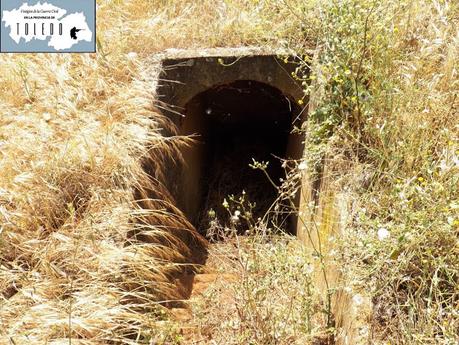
<point>387,125</point>
<point>70,161</point>
<point>263,293</point>
<point>89,243</point>
<point>79,257</point>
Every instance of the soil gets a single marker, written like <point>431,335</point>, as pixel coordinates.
<point>215,276</point>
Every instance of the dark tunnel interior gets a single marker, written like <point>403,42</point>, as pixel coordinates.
<point>234,124</point>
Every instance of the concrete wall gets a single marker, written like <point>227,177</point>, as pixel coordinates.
<point>186,74</point>
<point>324,217</point>
<point>194,155</point>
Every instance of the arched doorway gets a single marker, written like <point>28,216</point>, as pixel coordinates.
<point>233,124</point>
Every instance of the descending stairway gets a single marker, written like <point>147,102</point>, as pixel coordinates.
<point>209,278</point>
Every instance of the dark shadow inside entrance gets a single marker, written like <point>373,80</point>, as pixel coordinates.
<point>233,125</point>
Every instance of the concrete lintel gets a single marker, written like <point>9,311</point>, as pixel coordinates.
<point>186,73</point>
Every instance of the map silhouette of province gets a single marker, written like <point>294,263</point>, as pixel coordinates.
<point>56,29</point>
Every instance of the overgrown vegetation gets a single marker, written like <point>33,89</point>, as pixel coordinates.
<point>80,259</point>
<point>387,85</point>
<point>271,300</point>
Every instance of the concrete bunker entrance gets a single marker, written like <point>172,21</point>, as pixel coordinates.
<point>235,124</point>
<point>241,110</point>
